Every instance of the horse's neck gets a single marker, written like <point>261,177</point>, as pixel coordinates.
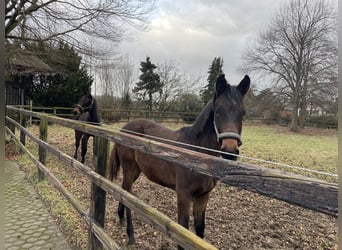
<point>93,114</point>
<point>207,136</point>
<point>202,132</point>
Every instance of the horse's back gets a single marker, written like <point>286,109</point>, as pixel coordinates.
<point>143,127</point>
<point>156,170</point>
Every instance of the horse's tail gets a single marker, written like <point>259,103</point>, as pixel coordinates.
<point>114,164</point>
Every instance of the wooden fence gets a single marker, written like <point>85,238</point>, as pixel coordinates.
<point>295,189</point>
<point>116,115</point>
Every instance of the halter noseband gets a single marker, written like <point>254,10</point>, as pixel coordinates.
<point>223,135</point>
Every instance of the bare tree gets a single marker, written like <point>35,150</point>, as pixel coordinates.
<point>299,49</point>
<point>171,80</point>
<point>125,76</point>
<point>80,22</point>
<point>106,77</point>
<point>175,84</point>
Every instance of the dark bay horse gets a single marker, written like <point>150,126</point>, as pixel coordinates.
<point>218,127</point>
<point>85,111</point>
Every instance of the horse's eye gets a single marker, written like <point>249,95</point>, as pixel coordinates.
<point>218,112</point>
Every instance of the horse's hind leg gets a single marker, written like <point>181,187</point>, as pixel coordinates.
<point>199,207</point>
<point>85,139</point>
<point>183,205</point>
<point>78,136</point>
<point>131,173</point>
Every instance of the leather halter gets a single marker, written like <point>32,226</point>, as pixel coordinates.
<point>86,108</point>
<point>231,135</point>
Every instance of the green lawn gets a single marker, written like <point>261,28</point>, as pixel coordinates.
<point>311,148</point>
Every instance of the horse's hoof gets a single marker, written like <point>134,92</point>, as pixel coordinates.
<point>131,243</point>
<point>122,222</point>
<point>129,247</point>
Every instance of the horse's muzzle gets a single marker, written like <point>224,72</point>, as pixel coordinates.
<point>230,147</point>
<point>230,155</point>
<point>76,111</point>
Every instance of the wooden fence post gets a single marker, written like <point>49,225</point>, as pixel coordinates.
<point>98,195</point>
<point>43,127</point>
<point>22,119</point>
<point>10,125</point>
<point>30,108</point>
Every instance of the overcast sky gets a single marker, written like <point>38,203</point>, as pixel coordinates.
<point>193,32</point>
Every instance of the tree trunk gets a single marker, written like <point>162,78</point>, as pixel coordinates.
<point>295,109</point>
<point>150,103</point>
<point>302,115</point>
<point>294,118</point>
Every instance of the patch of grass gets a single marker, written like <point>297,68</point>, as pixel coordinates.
<point>317,151</point>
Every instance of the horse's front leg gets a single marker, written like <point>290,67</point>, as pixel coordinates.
<point>130,228</point>
<point>78,136</point>
<point>199,207</point>
<point>183,205</point>
<point>121,213</point>
<point>85,139</point>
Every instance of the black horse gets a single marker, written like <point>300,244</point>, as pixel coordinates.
<point>85,111</point>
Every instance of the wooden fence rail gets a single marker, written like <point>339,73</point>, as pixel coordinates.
<point>120,115</point>
<point>116,115</point>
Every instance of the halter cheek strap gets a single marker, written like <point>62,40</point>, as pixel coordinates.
<point>86,108</point>
<point>81,108</point>
<point>223,135</point>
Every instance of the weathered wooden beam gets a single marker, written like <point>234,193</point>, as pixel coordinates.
<point>98,195</point>
<point>43,127</point>
<point>22,121</point>
<point>294,189</point>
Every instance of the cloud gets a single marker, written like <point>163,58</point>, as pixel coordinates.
<point>194,32</point>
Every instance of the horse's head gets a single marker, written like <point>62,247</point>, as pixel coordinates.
<point>84,104</point>
<point>228,113</point>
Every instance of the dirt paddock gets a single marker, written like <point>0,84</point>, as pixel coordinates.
<point>235,218</point>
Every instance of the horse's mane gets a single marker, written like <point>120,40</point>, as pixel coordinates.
<point>93,111</point>
<point>201,120</point>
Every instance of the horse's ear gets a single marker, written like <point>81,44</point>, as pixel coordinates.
<point>243,86</point>
<point>221,85</point>
<point>87,92</point>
